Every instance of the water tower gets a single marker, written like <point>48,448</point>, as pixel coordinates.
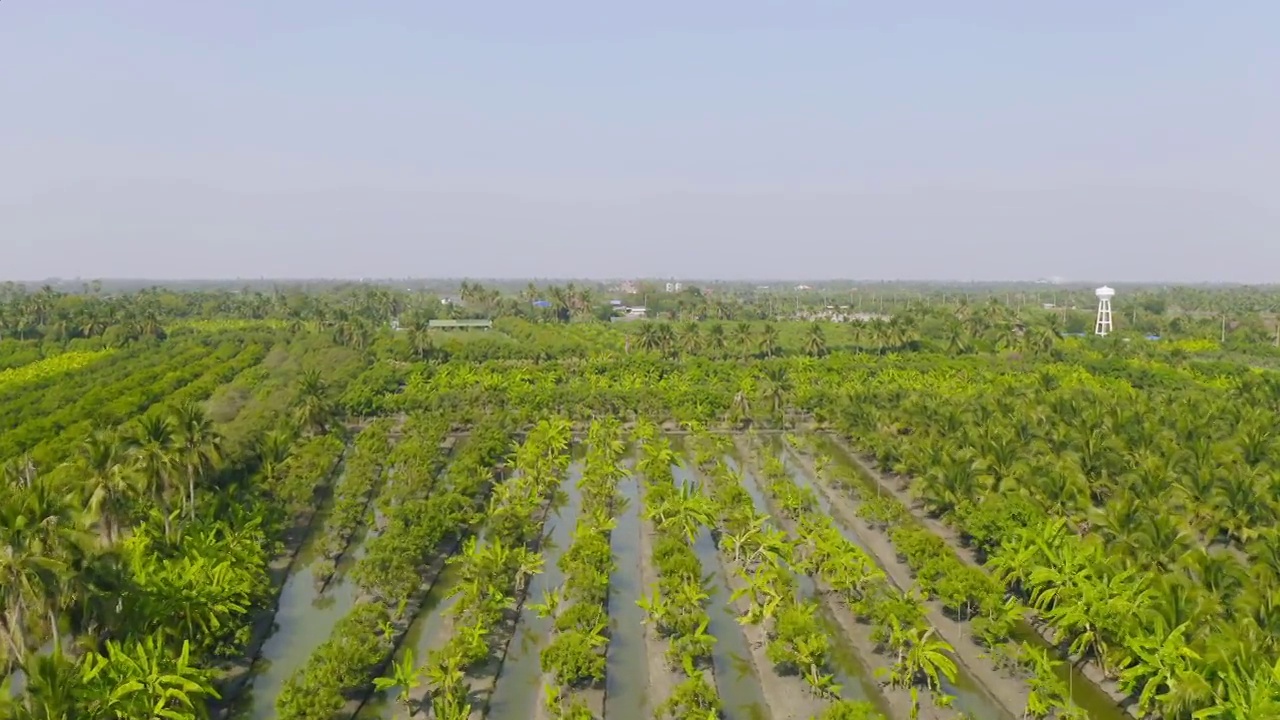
<point>1103,325</point>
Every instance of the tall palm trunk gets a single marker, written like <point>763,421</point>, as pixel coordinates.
<point>12,626</point>
<point>53,626</point>
<point>191,493</point>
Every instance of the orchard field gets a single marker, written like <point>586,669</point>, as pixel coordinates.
<point>313,518</point>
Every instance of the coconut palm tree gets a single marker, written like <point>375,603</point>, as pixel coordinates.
<point>744,338</point>
<point>404,675</point>
<point>153,448</point>
<point>815,340</point>
<point>140,678</point>
<point>314,409</point>
<point>103,464</point>
<point>716,338</point>
<point>199,448</point>
<point>769,340</point>
<point>690,339</point>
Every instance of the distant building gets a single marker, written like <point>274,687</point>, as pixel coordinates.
<point>460,324</point>
<point>803,287</point>
<point>629,314</point>
<point>674,287</point>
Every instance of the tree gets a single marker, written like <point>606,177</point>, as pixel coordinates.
<point>199,448</point>
<point>769,340</point>
<point>815,341</point>
<point>314,407</point>
<point>744,338</point>
<point>154,449</point>
<point>922,657</point>
<point>103,465</point>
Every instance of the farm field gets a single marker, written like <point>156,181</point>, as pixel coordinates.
<point>301,520</point>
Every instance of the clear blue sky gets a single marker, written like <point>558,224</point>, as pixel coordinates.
<point>1128,140</point>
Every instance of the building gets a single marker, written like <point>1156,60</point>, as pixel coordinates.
<point>629,313</point>
<point>674,287</point>
<point>473,324</point>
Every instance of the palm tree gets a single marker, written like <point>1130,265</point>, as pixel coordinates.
<point>314,409</point>
<point>769,340</point>
<point>744,338</point>
<point>715,337</point>
<point>54,689</point>
<point>420,340</point>
<point>815,341</point>
<point>650,338</point>
<point>39,533</point>
<point>199,447</point>
<point>690,339</point>
<point>154,449</point>
<point>273,449</point>
<point>103,464</point>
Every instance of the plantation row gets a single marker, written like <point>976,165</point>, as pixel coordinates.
<point>419,516</point>
<point>573,663</point>
<point>760,556</point>
<point>137,547</point>
<point>48,422</point>
<point>677,607</point>
<point>493,575</point>
<point>49,367</point>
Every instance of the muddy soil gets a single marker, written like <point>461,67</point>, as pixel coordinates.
<point>788,698</point>
<point>899,487</point>
<point>662,678</point>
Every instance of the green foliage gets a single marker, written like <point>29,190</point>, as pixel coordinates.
<point>341,664</point>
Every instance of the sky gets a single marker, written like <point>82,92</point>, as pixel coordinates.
<point>980,140</point>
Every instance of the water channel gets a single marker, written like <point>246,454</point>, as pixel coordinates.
<point>627,676</point>
<point>304,620</point>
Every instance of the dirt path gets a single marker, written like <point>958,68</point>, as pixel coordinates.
<point>788,698</point>
<point>1008,692</point>
<point>898,487</point>
<point>873,662</point>
<point>662,678</point>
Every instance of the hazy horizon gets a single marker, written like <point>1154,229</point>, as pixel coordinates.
<point>800,141</point>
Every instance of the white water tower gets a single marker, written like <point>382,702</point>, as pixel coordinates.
<point>1103,325</point>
